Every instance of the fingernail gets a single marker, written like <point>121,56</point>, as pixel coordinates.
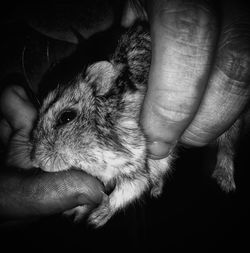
<point>158,150</point>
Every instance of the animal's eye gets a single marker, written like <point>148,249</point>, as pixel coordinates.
<point>65,117</point>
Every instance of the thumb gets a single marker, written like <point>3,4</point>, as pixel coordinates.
<point>183,36</point>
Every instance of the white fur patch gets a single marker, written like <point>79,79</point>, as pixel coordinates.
<point>127,192</point>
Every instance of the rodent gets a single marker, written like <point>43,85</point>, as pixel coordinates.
<point>93,124</point>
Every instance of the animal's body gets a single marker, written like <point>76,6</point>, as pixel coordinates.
<point>93,125</point>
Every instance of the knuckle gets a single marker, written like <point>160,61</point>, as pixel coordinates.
<point>174,111</point>
<point>199,134</point>
<point>234,54</point>
<point>194,141</point>
<point>187,21</point>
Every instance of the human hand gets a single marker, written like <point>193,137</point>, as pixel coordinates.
<point>200,71</point>
<point>25,193</point>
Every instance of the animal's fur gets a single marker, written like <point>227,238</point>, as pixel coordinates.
<point>105,138</point>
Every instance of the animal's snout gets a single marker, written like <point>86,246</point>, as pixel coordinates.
<point>40,158</point>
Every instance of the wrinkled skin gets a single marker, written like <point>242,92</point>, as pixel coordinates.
<point>189,100</point>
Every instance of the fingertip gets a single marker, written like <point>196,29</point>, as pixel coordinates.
<point>89,188</point>
<point>158,149</point>
<point>161,132</point>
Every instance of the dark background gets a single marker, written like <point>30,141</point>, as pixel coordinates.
<point>192,214</point>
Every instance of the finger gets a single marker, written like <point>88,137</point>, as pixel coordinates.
<point>47,193</point>
<point>78,213</point>
<point>18,117</point>
<point>17,109</point>
<point>228,89</point>
<point>183,36</point>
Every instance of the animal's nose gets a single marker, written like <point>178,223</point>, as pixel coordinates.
<point>42,165</point>
<point>35,164</point>
<point>37,159</point>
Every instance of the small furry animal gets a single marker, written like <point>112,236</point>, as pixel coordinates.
<point>93,124</point>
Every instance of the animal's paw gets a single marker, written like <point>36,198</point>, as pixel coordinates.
<point>157,189</point>
<point>101,214</point>
<point>224,179</point>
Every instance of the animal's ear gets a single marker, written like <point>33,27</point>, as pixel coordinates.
<point>101,75</point>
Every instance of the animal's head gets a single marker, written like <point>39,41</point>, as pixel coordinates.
<point>91,124</point>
